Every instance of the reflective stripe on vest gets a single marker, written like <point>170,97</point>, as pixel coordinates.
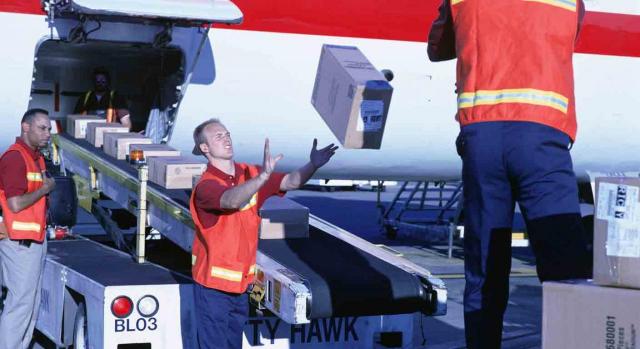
<point>26,226</point>
<point>34,177</point>
<point>565,4</point>
<point>521,95</point>
<point>226,274</point>
<point>252,202</point>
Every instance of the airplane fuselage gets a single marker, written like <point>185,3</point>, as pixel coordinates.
<point>265,70</point>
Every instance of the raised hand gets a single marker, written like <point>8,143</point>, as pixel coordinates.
<point>319,157</point>
<point>269,163</point>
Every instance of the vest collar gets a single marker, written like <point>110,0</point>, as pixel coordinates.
<point>35,155</point>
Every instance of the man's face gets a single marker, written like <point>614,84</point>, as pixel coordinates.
<point>100,82</point>
<point>219,144</point>
<point>38,132</point>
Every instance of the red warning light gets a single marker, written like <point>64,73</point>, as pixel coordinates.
<point>122,306</point>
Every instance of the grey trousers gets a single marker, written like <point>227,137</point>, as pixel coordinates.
<point>22,276</point>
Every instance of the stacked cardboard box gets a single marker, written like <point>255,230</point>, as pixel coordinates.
<point>580,314</point>
<point>282,218</point>
<point>174,172</point>
<point>77,124</point>
<point>603,313</point>
<point>352,97</point>
<point>155,150</point>
<point>117,144</point>
<point>96,131</point>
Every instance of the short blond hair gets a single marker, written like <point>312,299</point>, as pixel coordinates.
<point>198,134</point>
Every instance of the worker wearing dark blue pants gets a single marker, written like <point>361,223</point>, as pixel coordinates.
<point>505,163</point>
<point>222,324</point>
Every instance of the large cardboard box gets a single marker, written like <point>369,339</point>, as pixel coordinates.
<point>282,218</point>
<point>616,245</point>
<point>96,131</point>
<point>117,144</point>
<point>174,172</point>
<point>77,124</point>
<point>580,314</point>
<point>352,97</point>
<point>155,150</point>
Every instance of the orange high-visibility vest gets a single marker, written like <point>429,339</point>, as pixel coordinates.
<point>515,61</point>
<point>28,224</point>
<point>111,112</point>
<point>224,256</point>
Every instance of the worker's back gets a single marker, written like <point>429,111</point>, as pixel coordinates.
<point>515,61</point>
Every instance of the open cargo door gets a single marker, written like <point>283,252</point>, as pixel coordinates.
<point>183,12</point>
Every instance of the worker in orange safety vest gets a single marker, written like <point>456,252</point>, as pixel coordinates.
<point>516,109</point>
<point>224,207</point>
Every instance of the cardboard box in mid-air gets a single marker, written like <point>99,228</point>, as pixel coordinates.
<point>77,124</point>
<point>352,97</point>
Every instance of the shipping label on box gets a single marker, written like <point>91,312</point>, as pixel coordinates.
<point>351,96</point>
<point>96,131</point>
<point>77,124</point>
<point>616,245</point>
<point>580,314</point>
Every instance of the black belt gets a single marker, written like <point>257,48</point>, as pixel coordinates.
<point>25,243</point>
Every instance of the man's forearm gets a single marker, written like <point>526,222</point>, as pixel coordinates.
<point>20,202</point>
<point>235,197</point>
<point>297,178</point>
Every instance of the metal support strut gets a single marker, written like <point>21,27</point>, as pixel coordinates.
<point>143,176</point>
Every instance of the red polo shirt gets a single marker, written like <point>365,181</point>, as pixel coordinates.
<point>13,171</point>
<point>208,193</point>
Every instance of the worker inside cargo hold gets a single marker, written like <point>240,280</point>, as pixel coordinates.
<point>103,101</point>
<point>224,206</point>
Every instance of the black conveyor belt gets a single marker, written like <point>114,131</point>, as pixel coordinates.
<point>87,258</point>
<point>344,280</point>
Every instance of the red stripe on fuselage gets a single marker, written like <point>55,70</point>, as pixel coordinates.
<point>404,20</point>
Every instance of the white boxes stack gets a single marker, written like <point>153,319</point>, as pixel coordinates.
<point>77,124</point>
<point>604,313</point>
<point>96,131</point>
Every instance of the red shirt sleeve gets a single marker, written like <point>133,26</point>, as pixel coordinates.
<point>442,40</point>
<point>271,188</point>
<point>13,175</point>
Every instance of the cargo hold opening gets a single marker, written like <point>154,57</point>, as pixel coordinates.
<point>147,77</point>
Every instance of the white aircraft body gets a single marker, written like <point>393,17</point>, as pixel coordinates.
<point>258,77</point>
